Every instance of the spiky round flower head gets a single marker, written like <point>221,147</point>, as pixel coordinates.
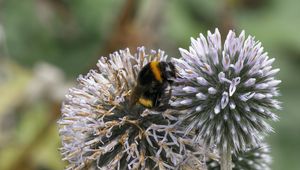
<point>226,92</point>
<point>257,158</point>
<point>99,129</point>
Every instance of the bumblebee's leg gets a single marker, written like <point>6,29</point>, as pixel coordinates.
<point>155,100</point>
<point>164,100</point>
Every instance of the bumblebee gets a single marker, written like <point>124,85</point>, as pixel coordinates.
<point>153,87</point>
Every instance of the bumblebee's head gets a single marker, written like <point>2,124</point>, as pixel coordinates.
<point>169,70</point>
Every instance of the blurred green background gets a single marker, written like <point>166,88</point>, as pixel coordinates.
<point>46,44</point>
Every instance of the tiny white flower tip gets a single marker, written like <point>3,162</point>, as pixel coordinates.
<point>268,95</point>
<point>247,108</point>
<point>209,33</point>
<point>201,96</point>
<point>226,61</point>
<point>202,81</point>
<point>190,89</point>
<point>237,80</point>
<point>230,34</point>
<point>175,104</point>
<point>232,105</point>
<point>153,52</point>
<point>212,90</point>
<point>225,117</point>
<point>232,89</point>
<point>250,82</point>
<point>250,162</point>
<point>259,96</point>
<point>277,106</point>
<point>245,129</point>
<point>261,86</point>
<point>186,102</point>
<point>246,96</point>
<point>261,110</point>
<point>218,128</point>
<point>217,38</point>
<point>214,55</point>
<point>221,76</point>
<point>253,118</point>
<point>224,100</point>
<point>233,132</point>
<point>199,108</point>
<point>273,72</point>
<point>217,109</point>
<point>242,34</point>
<point>194,41</point>
<point>238,66</point>
<point>237,117</point>
<point>274,118</point>
<point>274,83</point>
<point>269,62</point>
<point>207,69</point>
<point>218,138</point>
<point>267,69</point>
<point>184,52</point>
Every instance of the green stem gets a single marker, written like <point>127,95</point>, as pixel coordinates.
<point>226,160</point>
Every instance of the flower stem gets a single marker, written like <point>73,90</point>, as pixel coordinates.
<point>226,160</point>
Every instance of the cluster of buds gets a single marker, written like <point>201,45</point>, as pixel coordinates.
<point>226,92</point>
<point>221,99</point>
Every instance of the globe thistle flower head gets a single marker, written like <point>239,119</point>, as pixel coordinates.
<point>226,91</point>
<point>99,129</point>
<point>257,158</point>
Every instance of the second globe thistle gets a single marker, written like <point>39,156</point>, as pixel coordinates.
<point>226,92</point>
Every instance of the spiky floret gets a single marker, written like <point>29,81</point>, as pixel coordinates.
<point>98,129</point>
<point>226,92</point>
<point>257,158</point>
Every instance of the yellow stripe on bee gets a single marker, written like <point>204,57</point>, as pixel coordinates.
<point>154,65</point>
<point>145,102</point>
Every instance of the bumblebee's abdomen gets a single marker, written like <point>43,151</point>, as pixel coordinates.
<point>146,102</point>
<point>149,99</point>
